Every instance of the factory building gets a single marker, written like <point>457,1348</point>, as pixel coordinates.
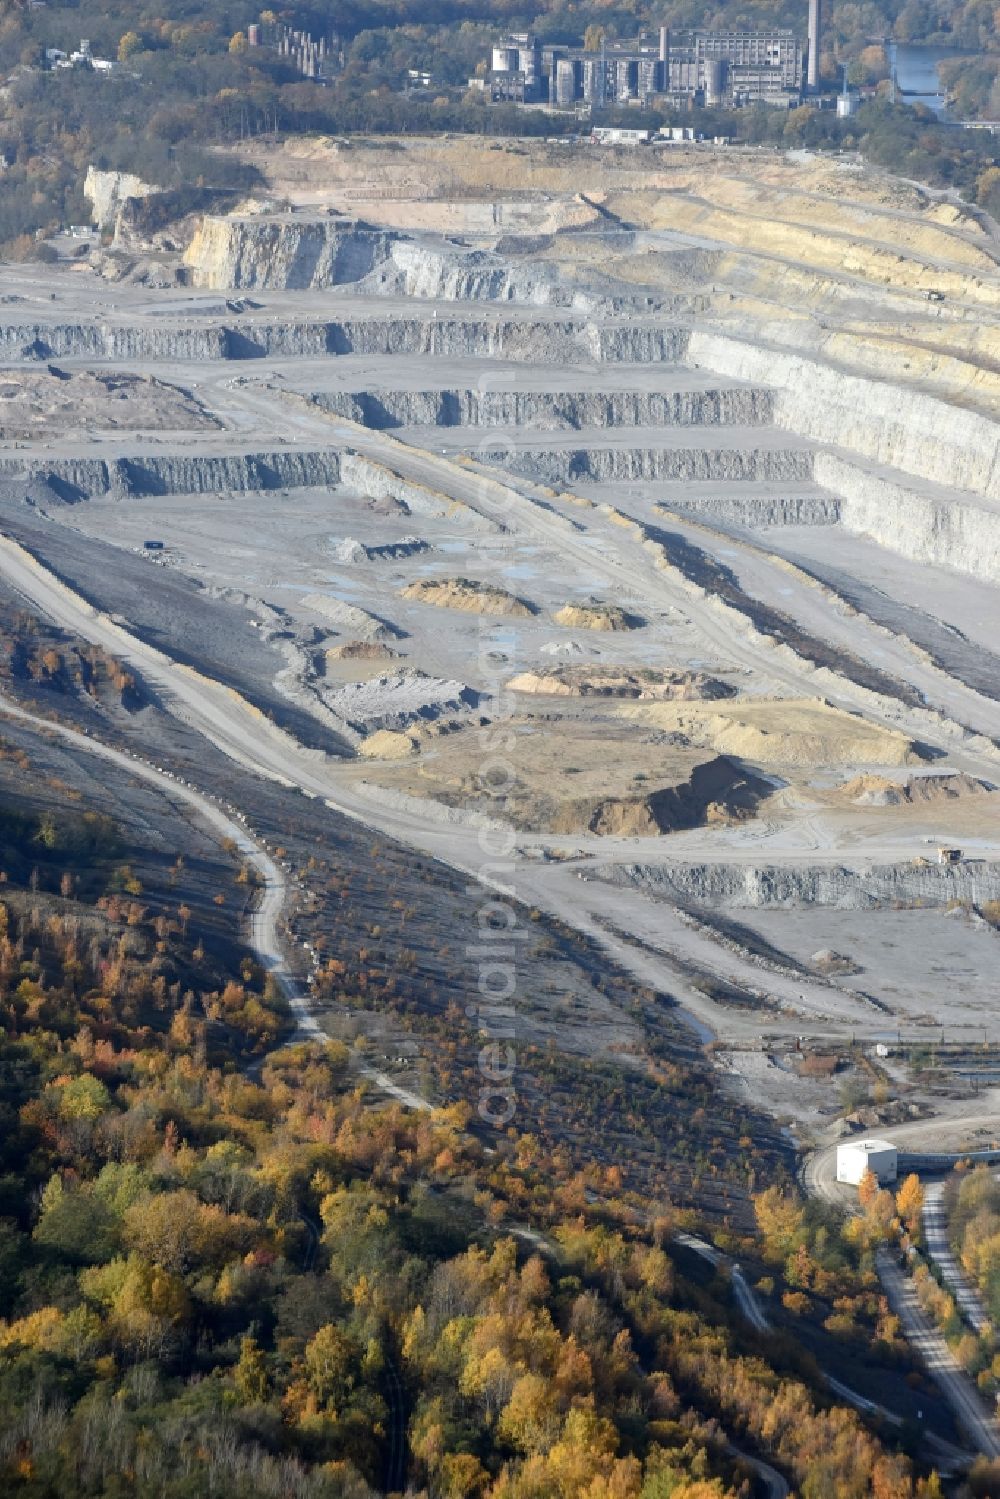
<point>720,69</point>
<point>856,1158</point>
<point>516,71</point>
<point>736,67</point>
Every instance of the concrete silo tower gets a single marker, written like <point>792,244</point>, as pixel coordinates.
<point>815,22</point>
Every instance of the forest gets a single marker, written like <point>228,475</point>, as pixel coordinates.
<point>188,82</point>
<point>226,1268</point>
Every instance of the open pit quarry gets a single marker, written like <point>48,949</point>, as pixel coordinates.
<point>644,503</point>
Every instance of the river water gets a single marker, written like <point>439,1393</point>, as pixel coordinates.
<point>917,73</point>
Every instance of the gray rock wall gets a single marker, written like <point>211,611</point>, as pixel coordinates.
<point>601,465</point>
<point>132,477</point>
<point>776,885</point>
<point>105,341</point>
<point>486,338</point>
<point>381,409</point>
<point>107,191</point>
<point>754,512</point>
<point>442,274</point>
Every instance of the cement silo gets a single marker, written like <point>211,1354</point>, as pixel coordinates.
<point>716,73</point>
<point>529,62</point>
<point>626,79</point>
<point>594,80</point>
<point>565,82</point>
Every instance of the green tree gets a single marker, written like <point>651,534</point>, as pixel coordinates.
<point>328,1360</point>
<point>250,1373</point>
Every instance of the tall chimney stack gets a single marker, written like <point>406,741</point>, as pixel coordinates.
<point>815,17</point>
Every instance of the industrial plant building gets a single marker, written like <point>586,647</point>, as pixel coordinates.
<point>855,1158</point>
<point>718,69</point>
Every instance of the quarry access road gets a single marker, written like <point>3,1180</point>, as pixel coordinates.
<point>263,925</point>
<point>370,374</point>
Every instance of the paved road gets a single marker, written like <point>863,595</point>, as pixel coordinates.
<point>980,1424</point>
<point>264,919</point>
<point>776,1486</point>
<point>744,1296</point>
<point>747,1302</point>
<point>967,1298</point>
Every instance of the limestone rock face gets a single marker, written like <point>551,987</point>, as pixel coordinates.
<point>107,191</point>
<point>925,522</point>
<point>283,252</point>
<point>916,432</point>
<point>763,886</point>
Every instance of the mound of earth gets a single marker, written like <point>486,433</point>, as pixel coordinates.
<point>385,504</point>
<point>716,791</point>
<point>361,650</point>
<point>879,791</point>
<point>873,791</point>
<point>830,963</point>
<point>352,551</point>
<point>596,616</point>
<point>561,648</point>
<point>397,699</point>
<point>946,787</point>
<point>51,401</point>
<point>468,595</point>
<point>365,626</point>
<point>644,683</point>
<point>780,731</point>
<point>388,744</point>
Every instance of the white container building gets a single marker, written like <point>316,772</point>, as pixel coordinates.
<point>857,1157</point>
